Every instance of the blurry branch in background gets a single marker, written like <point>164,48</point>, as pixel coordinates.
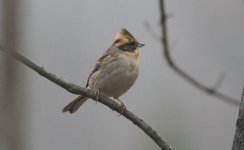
<point>12,117</point>
<point>75,89</point>
<point>239,135</point>
<point>166,50</point>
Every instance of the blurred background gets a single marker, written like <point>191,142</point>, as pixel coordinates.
<point>67,38</point>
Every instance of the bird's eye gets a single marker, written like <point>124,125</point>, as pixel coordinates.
<point>132,44</point>
<point>117,41</point>
<point>129,47</point>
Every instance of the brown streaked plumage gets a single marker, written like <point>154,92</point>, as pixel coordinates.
<point>115,72</point>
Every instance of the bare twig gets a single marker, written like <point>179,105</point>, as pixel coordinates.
<point>219,81</point>
<point>182,73</point>
<point>239,135</point>
<point>75,89</point>
<point>151,31</point>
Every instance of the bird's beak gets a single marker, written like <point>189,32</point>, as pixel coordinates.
<point>140,45</point>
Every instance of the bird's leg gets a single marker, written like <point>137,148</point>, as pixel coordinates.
<point>97,93</point>
<point>122,104</point>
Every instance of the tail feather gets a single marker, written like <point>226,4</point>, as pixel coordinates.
<point>75,104</point>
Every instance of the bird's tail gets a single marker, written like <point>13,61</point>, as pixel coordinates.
<point>75,104</point>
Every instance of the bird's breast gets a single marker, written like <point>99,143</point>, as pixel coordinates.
<point>117,77</point>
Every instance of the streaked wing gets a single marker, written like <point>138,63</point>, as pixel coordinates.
<point>101,63</point>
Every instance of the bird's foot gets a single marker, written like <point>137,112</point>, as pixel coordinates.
<point>97,93</point>
<point>123,106</point>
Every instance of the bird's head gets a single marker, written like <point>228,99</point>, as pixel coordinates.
<point>125,41</point>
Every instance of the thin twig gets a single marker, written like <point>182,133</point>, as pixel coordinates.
<point>75,89</point>
<point>182,73</point>
<point>151,31</point>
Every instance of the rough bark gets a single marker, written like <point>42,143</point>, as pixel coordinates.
<point>238,143</point>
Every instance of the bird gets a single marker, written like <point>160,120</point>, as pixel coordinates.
<point>115,71</point>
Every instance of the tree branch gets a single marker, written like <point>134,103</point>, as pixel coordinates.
<point>75,89</point>
<point>182,73</point>
<point>238,141</point>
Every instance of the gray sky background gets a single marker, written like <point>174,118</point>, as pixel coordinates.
<point>67,38</point>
